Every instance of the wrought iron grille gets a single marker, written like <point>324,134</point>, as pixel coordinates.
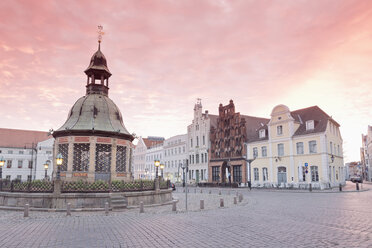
<point>63,149</point>
<point>81,157</point>
<point>103,158</point>
<point>121,158</point>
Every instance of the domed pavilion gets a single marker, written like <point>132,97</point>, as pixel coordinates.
<point>94,143</point>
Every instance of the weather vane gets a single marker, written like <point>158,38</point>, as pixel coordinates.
<point>100,33</point>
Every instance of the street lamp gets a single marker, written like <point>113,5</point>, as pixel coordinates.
<point>161,170</point>
<point>2,163</point>
<point>157,164</point>
<point>46,166</point>
<point>332,158</point>
<point>146,173</point>
<point>59,160</point>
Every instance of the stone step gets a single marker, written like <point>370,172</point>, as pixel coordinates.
<point>118,203</point>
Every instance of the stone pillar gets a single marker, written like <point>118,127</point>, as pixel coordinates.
<point>70,157</point>
<point>92,159</point>
<point>157,184</point>
<point>113,159</point>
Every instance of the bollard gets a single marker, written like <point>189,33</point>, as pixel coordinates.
<point>219,192</point>
<point>183,190</point>
<point>310,187</point>
<point>106,208</point>
<point>236,192</point>
<point>357,185</point>
<point>210,191</point>
<point>201,191</point>
<point>195,191</point>
<point>221,203</point>
<point>340,187</point>
<point>68,212</point>
<point>240,198</point>
<point>142,210</point>
<point>174,206</point>
<point>201,204</point>
<point>235,201</point>
<point>27,209</point>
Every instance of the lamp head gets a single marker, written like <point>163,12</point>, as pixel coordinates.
<point>59,159</point>
<point>157,163</point>
<point>2,161</point>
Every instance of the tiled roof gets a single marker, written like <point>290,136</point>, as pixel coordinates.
<point>314,113</point>
<point>253,124</point>
<point>16,138</point>
<point>213,120</point>
<point>149,142</point>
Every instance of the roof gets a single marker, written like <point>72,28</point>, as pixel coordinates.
<point>150,142</point>
<point>98,62</point>
<point>94,114</point>
<point>314,113</point>
<point>17,138</point>
<point>213,119</point>
<point>253,124</point>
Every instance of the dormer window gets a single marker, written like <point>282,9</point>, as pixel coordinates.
<point>309,125</point>
<point>262,133</point>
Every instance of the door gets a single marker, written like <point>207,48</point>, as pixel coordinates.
<point>282,175</point>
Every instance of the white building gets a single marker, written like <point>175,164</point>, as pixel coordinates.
<point>198,143</point>
<point>153,153</point>
<point>175,155</point>
<point>366,155</point>
<point>25,152</point>
<point>139,158</point>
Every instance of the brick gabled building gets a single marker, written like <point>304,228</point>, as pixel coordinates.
<point>227,144</point>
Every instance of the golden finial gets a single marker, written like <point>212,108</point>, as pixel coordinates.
<point>100,33</point>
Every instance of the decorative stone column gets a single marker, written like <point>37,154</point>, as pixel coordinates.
<point>70,157</point>
<point>92,159</point>
<point>113,159</point>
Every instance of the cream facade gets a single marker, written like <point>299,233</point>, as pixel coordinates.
<point>198,144</point>
<point>295,149</point>
<point>175,155</point>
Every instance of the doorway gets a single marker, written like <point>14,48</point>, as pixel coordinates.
<point>282,175</point>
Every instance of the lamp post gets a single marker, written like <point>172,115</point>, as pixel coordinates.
<point>185,168</point>
<point>46,166</point>
<point>59,160</point>
<point>162,171</point>
<point>2,163</point>
<point>146,173</point>
<point>157,164</point>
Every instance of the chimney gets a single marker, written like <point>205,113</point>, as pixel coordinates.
<point>206,114</point>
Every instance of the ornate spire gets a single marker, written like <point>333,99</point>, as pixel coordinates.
<point>98,70</point>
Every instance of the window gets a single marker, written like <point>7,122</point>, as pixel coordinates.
<point>206,158</point>
<point>312,146</point>
<point>202,158</point>
<point>279,130</point>
<point>256,176</point>
<point>10,152</point>
<point>280,149</point>
<point>300,147</point>
<point>264,151</point>
<point>237,171</point>
<point>191,142</point>
<point>203,140</point>
<point>264,174</point>
<point>255,152</point>
<point>19,177</point>
<point>29,178</point>
<point>183,149</point>
<point>9,164</point>
<point>8,177</point>
<point>338,150</point>
<point>201,174</point>
<point>20,163</point>
<point>215,173</point>
<point>197,140</point>
<point>331,146</point>
<point>48,152</point>
<point>20,152</point>
<point>309,125</point>
<point>314,174</point>
<point>190,160</point>
<point>193,161</point>
<point>262,133</point>
<point>179,150</point>
<point>197,158</point>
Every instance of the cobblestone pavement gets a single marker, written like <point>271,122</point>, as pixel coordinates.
<point>263,219</point>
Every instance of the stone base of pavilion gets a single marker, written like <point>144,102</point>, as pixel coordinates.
<point>82,201</point>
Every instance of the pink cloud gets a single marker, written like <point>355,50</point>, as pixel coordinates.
<point>164,54</point>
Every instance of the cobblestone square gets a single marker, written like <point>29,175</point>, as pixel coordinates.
<point>263,219</point>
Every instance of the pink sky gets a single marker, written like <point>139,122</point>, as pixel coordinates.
<point>165,54</point>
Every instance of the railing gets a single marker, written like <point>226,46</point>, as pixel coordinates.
<point>39,186</point>
<point>36,186</point>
